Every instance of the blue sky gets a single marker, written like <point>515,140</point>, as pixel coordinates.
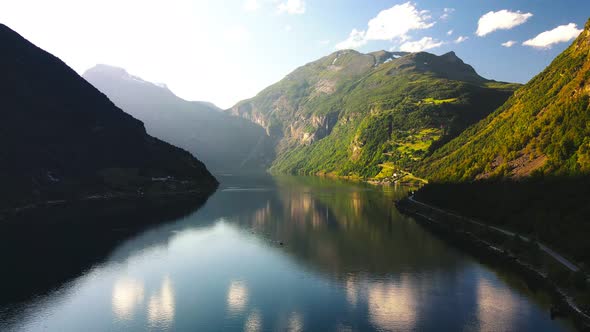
<point>225,51</point>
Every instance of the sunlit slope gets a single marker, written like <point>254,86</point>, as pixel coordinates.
<point>544,129</point>
<point>370,115</point>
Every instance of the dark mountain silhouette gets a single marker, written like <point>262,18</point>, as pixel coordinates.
<point>60,138</point>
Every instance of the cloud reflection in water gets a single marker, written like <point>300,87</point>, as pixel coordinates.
<point>497,307</point>
<point>237,296</point>
<point>161,307</point>
<point>253,323</point>
<point>392,306</point>
<point>128,294</point>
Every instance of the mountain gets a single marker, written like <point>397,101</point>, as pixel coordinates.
<point>223,142</point>
<point>526,167</point>
<point>61,138</point>
<point>542,130</point>
<point>370,115</point>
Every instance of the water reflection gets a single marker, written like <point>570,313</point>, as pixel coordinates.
<point>161,306</point>
<point>340,227</point>
<point>128,294</point>
<point>497,307</point>
<point>343,328</point>
<point>348,262</point>
<point>392,306</point>
<point>253,322</point>
<point>295,322</point>
<point>351,291</point>
<point>303,210</point>
<point>262,216</point>
<point>237,296</point>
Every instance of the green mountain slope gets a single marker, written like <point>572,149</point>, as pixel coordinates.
<point>370,115</point>
<point>223,142</point>
<point>543,129</point>
<point>526,167</point>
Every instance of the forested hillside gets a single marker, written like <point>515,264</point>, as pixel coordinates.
<point>373,116</point>
<point>543,130</point>
<point>527,166</point>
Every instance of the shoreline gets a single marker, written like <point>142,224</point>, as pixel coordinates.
<point>372,181</point>
<point>469,242</point>
<point>10,213</point>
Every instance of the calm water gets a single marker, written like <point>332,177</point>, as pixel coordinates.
<point>348,262</point>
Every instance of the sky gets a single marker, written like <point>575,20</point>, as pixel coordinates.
<point>226,51</point>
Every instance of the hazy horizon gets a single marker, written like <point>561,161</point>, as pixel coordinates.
<point>224,53</point>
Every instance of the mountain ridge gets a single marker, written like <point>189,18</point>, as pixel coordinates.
<point>526,167</point>
<point>349,94</point>
<point>62,138</point>
<point>119,73</point>
<point>537,131</point>
<point>225,143</point>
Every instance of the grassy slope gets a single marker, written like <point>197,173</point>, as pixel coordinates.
<point>398,128</point>
<point>542,129</point>
<point>375,113</point>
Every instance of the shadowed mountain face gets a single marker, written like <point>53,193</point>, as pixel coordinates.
<point>223,142</point>
<point>370,115</point>
<point>61,138</point>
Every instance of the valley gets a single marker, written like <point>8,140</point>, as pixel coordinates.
<point>438,184</point>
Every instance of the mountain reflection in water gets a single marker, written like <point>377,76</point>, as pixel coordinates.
<point>294,254</point>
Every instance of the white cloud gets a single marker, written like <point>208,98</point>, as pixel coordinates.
<point>390,24</point>
<point>251,5</point>
<point>450,32</point>
<point>460,39</point>
<point>295,7</point>
<point>423,44</point>
<point>288,28</point>
<point>509,43</point>
<point>447,13</point>
<point>397,21</point>
<point>561,34</point>
<point>500,20</point>
<point>354,40</point>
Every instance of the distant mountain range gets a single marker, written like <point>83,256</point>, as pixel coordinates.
<point>224,143</point>
<point>373,115</point>
<point>62,139</point>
